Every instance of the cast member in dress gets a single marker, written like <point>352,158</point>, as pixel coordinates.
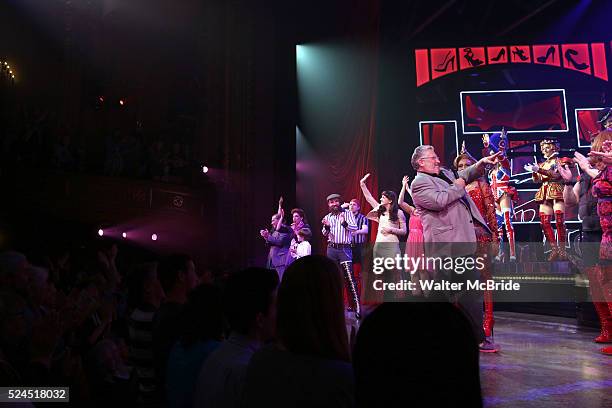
<point>391,225</point>
<point>482,195</point>
<point>504,194</point>
<point>414,243</point>
<point>550,196</point>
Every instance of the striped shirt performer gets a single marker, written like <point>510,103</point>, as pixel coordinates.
<point>338,226</point>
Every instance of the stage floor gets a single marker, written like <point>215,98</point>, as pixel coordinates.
<point>545,361</point>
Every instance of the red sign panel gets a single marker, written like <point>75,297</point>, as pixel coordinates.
<point>576,57</point>
<point>600,69</point>
<point>434,63</point>
<point>520,54</point>
<point>471,57</point>
<point>497,55</point>
<point>443,61</point>
<point>546,54</point>
<point>422,66</point>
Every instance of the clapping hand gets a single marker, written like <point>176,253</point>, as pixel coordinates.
<point>565,172</point>
<point>605,154</point>
<point>582,160</point>
<point>532,167</point>
<point>405,181</point>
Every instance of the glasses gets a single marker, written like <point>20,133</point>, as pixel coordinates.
<point>429,157</point>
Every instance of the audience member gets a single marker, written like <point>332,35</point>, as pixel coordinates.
<point>146,295</point>
<point>416,354</point>
<point>200,333</point>
<point>309,365</point>
<point>250,302</point>
<point>178,277</point>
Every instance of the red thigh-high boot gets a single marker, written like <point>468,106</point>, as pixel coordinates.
<point>489,320</point>
<point>550,235</point>
<point>605,278</point>
<point>601,307</point>
<point>561,232</point>
<point>510,234</point>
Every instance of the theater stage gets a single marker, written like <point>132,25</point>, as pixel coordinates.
<point>545,361</point>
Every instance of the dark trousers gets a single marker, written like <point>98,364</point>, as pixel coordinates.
<point>340,254</point>
<point>357,248</point>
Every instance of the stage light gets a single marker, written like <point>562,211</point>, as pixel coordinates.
<point>299,52</point>
<point>154,237</point>
<point>101,98</point>
<point>100,232</point>
<point>124,235</point>
<point>204,169</point>
<point>121,102</point>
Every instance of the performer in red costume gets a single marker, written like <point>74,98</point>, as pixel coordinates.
<point>480,192</point>
<point>600,279</point>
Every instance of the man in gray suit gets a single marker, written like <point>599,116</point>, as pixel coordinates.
<point>279,240</point>
<point>449,218</point>
<point>448,212</point>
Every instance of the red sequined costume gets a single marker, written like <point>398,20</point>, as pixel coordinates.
<point>602,189</point>
<point>480,192</point>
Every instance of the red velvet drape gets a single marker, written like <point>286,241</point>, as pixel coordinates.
<point>336,164</point>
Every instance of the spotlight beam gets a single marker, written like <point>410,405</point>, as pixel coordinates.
<point>431,18</point>
<point>527,17</point>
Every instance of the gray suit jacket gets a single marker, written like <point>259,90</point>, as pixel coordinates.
<point>448,212</point>
<point>279,242</point>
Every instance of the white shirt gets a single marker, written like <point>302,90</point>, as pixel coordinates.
<point>303,249</point>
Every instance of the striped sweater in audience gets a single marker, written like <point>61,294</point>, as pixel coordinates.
<point>140,327</point>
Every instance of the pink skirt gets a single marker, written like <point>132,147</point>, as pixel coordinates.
<point>414,244</point>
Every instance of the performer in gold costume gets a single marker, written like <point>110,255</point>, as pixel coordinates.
<point>550,196</point>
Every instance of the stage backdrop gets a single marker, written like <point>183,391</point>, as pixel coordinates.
<point>336,128</point>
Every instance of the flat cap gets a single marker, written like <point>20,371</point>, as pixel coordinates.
<point>332,196</point>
